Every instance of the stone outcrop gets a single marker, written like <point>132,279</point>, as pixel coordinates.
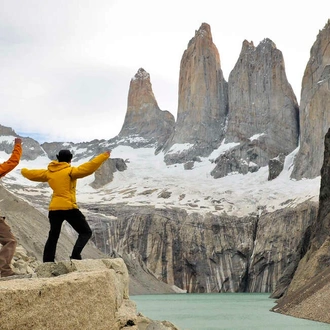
<point>86,294</point>
<point>239,159</point>
<point>210,253</point>
<point>145,123</point>
<point>314,108</point>
<point>203,100</point>
<point>104,174</point>
<point>275,166</point>
<point>263,111</point>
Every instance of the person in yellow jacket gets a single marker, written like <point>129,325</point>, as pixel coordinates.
<point>62,179</point>
<point>7,239</point>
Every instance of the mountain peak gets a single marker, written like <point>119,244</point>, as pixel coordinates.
<point>141,75</point>
<point>203,100</point>
<point>145,123</point>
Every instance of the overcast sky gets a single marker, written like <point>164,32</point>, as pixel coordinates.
<point>66,65</point>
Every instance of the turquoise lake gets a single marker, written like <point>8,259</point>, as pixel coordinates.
<point>234,311</point>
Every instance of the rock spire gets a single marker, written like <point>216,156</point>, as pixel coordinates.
<point>263,116</point>
<point>144,121</point>
<point>202,104</point>
<point>314,108</point>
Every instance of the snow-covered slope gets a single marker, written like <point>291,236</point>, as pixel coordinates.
<point>149,181</point>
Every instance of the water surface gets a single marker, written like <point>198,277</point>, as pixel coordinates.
<point>234,311</point>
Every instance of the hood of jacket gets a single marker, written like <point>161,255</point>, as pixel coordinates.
<point>55,166</point>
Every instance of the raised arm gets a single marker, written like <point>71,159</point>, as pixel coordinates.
<point>14,159</point>
<point>35,175</point>
<point>89,167</point>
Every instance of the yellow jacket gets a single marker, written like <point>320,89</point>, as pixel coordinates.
<point>12,162</point>
<point>62,178</point>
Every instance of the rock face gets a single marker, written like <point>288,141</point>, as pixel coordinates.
<point>321,229</point>
<point>144,121</point>
<point>280,242</point>
<point>309,301</point>
<point>276,166</point>
<point>203,100</point>
<point>263,111</point>
<point>314,108</point>
<point>317,257</point>
<point>209,253</point>
<point>91,294</point>
<point>309,290</point>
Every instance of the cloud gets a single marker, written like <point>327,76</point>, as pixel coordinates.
<point>66,65</point>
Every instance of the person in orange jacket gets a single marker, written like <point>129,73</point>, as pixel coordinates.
<point>62,179</point>
<point>7,239</point>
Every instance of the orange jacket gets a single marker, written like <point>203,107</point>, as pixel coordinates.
<point>62,178</point>
<point>12,162</point>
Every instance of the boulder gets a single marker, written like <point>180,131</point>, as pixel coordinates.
<point>86,294</point>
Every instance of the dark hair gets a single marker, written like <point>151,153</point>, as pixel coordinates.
<point>64,156</point>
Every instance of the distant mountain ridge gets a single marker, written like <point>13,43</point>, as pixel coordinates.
<point>257,110</point>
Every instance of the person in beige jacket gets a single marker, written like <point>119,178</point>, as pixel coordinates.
<point>62,179</point>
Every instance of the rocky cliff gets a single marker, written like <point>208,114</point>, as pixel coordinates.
<point>203,100</point>
<point>309,291</point>
<point>209,253</point>
<point>263,112</point>
<point>314,108</point>
<point>317,257</point>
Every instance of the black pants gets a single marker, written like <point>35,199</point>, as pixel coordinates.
<point>78,222</point>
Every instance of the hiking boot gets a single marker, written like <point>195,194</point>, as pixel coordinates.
<point>76,257</point>
<point>7,273</point>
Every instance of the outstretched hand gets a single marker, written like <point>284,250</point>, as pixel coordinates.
<point>108,152</point>
<point>18,140</point>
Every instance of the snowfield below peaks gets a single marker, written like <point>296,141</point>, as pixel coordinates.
<point>149,181</point>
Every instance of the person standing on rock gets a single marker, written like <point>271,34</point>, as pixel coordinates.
<point>62,179</point>
<point>7,239</point>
